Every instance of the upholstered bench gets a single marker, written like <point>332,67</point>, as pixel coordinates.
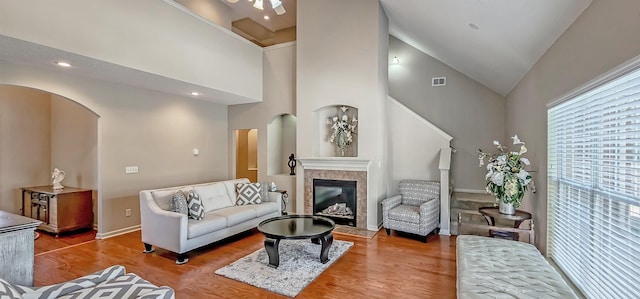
<point>498,268</point>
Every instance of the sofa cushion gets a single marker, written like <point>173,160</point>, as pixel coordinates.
<point>405,213</point>
<point>236,214</point>
<point>209,223</point>
<point>416,192</point>
<point>248,193</point>
<point>230,185</point>
<point>164,198</point>
<point>214,196</point>
<point>194,203</point>
<point>179,203</point>
<point>266,208</point>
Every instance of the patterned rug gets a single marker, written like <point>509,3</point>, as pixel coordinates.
<point>299,266</point>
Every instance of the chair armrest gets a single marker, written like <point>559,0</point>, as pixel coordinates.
<point>162,228</point>
<point>61,289</point>
<point>430,211</point>
<point>392,202</point>
<point>388,204</point>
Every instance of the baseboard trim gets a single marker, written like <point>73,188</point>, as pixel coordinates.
<point>445,232</point>
<point>469,191</point>
<point>118,232</point>
<point>374,228</point>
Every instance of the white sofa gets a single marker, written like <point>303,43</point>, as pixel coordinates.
<point>161,227</point>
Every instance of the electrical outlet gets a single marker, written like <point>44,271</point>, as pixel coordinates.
<point>131,169</point>
<point>127,212</point>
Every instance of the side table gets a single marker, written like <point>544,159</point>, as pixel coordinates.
<point>285,197</point>
<point>491,213</point>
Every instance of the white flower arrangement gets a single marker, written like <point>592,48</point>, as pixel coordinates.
<point>506,176</point>
<point>343,129</point>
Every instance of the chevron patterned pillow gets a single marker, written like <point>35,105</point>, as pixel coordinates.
<point>194,203</point>
<point>8,291</point>
<point>248,194</point>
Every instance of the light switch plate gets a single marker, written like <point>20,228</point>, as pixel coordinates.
<point>131,169</point>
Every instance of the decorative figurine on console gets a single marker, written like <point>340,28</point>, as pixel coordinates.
<point>56,177</point>
<point>292,164</point>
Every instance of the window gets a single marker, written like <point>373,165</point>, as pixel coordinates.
<point>594,187</point>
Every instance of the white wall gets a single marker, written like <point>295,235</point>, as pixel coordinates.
<point>341,60</point>
<point>154,131</point>
<point>74,145</point>
<point>414,146</point>
<point>603,37</point>
<point>25,143</point>
<point>468,111</point>
<point>148,35</point>
<point>279,65</point>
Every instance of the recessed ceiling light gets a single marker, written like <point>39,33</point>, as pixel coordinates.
<point>63,64</point>
<point>195,93</point>
<point>474,26</point>
<point>266,17</point>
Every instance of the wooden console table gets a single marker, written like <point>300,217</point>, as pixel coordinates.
<point>59,210</point>
<point>491,213</point>
<point>16,248</point>
<point>498,230</point>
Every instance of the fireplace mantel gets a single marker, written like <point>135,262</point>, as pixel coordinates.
<point>335,163</point>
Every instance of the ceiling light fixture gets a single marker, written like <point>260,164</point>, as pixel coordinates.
<point>266,17</point>
<point>278,7</point>
<point>259,4</point>
<point>395,60</point>
<point>63,64</point>
<point>195,93</point>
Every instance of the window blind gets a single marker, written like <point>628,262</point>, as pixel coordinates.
<point>594,188</point>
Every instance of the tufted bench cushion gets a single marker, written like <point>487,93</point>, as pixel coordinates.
<point>497,268</point>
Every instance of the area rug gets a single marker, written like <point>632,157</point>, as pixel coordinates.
<point>299,265</point>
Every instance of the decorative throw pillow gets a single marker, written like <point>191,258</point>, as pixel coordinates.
<point>264,192</point>
<point>194,203</point>
<point>248,193</point>
<point>8,291</point>
<point>179,203</point>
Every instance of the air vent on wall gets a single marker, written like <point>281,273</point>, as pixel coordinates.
<point>439,81</point>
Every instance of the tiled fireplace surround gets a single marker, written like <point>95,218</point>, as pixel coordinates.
<point>335,169</point>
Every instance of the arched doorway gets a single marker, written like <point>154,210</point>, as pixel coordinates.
<point>40,131</point>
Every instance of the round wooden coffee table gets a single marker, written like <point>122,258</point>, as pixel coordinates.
<point>318,229</point>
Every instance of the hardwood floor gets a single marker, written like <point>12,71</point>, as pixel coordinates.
<point>382,267</point>
<point>48,241</point>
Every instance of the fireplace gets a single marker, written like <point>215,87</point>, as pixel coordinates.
<point>335,199</point>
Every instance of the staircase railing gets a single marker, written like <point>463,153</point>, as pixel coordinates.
<point>445,194</point>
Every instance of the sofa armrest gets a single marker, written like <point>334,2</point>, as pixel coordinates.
<point>274,196</point>
<point>162,228</point>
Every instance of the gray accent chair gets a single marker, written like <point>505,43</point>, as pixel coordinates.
<point>415,210</point>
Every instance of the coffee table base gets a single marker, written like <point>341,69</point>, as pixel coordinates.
<point>271,247</point>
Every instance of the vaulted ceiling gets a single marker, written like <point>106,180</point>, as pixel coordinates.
<point>495,42</point>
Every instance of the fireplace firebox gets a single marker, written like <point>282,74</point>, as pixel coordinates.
<point>336,200</point>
